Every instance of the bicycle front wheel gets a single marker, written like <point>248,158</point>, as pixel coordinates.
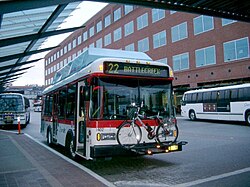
<point>129,134</point>
<point>167,133</point>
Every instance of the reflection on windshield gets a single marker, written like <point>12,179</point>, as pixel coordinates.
<point>10,103</point>
<point>111,99</point>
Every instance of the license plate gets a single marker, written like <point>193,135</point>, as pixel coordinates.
<point>173,148</point>
<point>8,118</point>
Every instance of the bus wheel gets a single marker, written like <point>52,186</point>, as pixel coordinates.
<point>248,118</point>
<point>192,115</point>
<point>70,146</point>
<point>49,137</point>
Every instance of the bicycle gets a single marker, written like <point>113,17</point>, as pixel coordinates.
<point>129,134</point>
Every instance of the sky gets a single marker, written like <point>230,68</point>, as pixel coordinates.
<point>83,13</point>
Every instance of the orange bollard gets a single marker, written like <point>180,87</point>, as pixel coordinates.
<point>19,126</point>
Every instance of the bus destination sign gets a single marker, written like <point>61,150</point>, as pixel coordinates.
<point>131,69</point>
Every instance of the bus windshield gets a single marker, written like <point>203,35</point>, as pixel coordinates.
<point>112,98</point>
<point>11,103</point>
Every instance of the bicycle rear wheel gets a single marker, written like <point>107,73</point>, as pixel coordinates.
<point>129,134</point>
<point>167,133</point>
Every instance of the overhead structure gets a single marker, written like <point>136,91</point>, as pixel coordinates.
<point>26,24</point>
<point>23,30</point>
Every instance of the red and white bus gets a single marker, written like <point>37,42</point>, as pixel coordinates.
<point>90,97</point>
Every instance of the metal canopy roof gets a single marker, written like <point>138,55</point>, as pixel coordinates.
<point>25,25</point>
<point>23,31</point>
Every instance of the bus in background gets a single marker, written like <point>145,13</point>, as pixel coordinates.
<point>37,104</point>
<point>221,103</point>
<point>12,106</point>
<point>90,97</point>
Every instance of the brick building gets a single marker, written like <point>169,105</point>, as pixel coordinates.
<point>203,51</point>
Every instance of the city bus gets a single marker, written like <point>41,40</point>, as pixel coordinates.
<point>220,103</point>
<point>90,98</point>
<point>12,106</point>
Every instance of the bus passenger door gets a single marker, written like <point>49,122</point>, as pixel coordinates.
<point>81,120</point>
<point>55,115</point>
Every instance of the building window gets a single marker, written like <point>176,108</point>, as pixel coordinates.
<point>179,32</point>
<point>130,47</point>
<point>92,45</point>
<point>99,26</point>
<point>163,60</point>
<point>91,31</point>
<point>61,52</point>
<point>99,43</point>
<point>181,62</point>
<point>61,64</point>
<point>69,46</point>
<point>74,43</point>
<point>205,56</point>
<point>64,62</point>
<point>127,9</point>
<point>79,39</point>
<point>236,49</point>
<point>69,59</point>
<point>117,14</point>
<point>129,28</point>
<point>157,14</point>
<point>107,39</point>
<point>65,49</point>
<point>85,36</point>
<point>203,24</point>
<point>107,20</point>
<point>117,34</point>
<point>227,21</point>
<point>159,39</point>
<point>73,56</point>
<point>142,21</point>
<point>143,45</point>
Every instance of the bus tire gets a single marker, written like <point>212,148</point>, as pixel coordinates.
<point>49,137</point>
<point>70,146</point>
<point>247,118</point>
<point>192,115</point>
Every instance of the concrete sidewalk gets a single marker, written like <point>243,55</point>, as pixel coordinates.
<point>26,162</point>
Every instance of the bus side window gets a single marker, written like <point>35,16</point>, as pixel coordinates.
<point>241,95</point>
<point>214,97</point>
<point>199,98</point>
<point>70,105</point>
<point>62,103</point>
<point>188,98</point>
<point>247,94</point>
<point>234,95</point>
<point>194,97</point>
<point>206,97</point>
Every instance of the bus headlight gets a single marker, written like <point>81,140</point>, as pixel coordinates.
<point>105,136</point>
